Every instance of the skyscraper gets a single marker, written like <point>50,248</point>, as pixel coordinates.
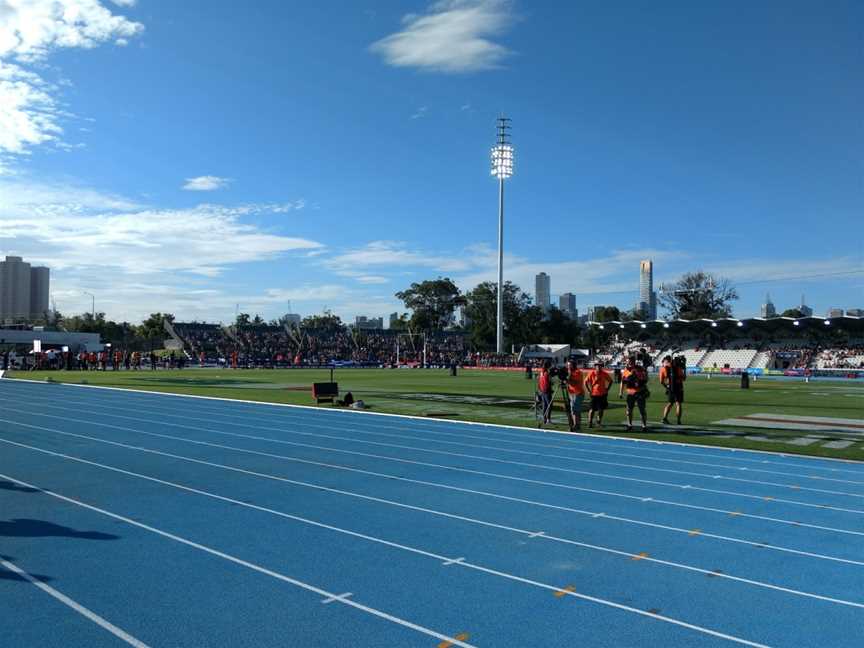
<point>567,304</point>
<point>23,290</point>
<point>542,283</point>
<point>805,310</point>
<point>647,296</point>
<point>768,309</point>
<point>39,279</point>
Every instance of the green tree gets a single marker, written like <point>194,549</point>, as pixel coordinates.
<point>432,303</point>
<point>402,323</point>
<point>699,295</point>
<point>153,326</point>
<point>326,320</point>
<point>792,312</point>
<point>557,328</point>
<point>521,319</point>
<point>607,314</point>
<point>242,320</point>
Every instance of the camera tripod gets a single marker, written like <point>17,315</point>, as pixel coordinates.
<point>543,413</point>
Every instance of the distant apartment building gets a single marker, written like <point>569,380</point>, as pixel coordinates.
<point>542,286</point>
<point>363,322</point>
<point>394,317</point>
<point>24,290</point>
<point>567,305</point>
<point>855,312</point>
<point>292,319</point>
<point>835,312</point>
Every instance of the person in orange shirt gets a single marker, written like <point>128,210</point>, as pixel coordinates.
<point>544,388</point>
<point>672,377</point>
<point>598,382</point>
<point>634,379</point>
<point>576,394</point>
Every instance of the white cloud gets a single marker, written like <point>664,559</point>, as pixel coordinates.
<point>452,37</point>
<point>372,279</point>
<point>389,254</point>
<point>420,113</point>
<point>30,114</point>
<point>206,183</point>
<point>76,228</point>
<point>125,3</point>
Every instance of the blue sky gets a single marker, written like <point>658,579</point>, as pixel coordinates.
<point>191,156</point>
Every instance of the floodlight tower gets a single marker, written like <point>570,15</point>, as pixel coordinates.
<point>502,168</point>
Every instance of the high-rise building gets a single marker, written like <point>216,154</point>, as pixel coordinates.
<point>567,305</point>
<point>363,322</point>
<point>855,312</point>
<point>23,290</point>
<point>805,310</point>
<point>542,285</point>
<point>767,310</point>
<point>835,312</point>
<point>394,317</point>
<point>647,297</point>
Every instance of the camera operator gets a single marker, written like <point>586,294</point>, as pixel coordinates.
<point>672,377</point>
<point>634,379</point>
<point>544,387</point>
<point>598,382</point>
<point>575,394</point>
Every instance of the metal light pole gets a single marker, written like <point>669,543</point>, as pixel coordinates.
<point>93,304</point>
<point>502,168</point>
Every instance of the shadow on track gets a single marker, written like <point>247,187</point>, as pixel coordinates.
<point>26,528</point>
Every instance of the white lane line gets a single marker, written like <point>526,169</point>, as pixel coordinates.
<point>450,561</point>
<point>446,467</point>
<point>337,599</point>
<point>347,601</point>
<point>442,513</point>
<point>294,419</point>
<point>244,563</point>
<point>389,476</point>
<point>689,449</point>
<point>353,439</point>
<point>80,609</point>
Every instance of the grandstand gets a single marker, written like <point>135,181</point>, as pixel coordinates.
<point>729,344</point>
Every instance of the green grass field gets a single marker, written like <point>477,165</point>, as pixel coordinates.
<point>507,397</point>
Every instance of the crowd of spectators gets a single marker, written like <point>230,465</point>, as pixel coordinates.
<point>285,347</point>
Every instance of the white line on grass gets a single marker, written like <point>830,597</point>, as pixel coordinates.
<point>244,563</point>
<point>342,598</point>
<point>80,609</point>
<point>694,447</point>
<point>307,424</point>
<point>453,468</point>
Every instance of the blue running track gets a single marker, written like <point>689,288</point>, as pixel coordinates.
<point>133,518</point>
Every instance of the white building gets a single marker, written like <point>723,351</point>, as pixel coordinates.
<point>567,305</point>
<point>767,310</point>
<point>542,295</point>
<point>363,322</point>
<point>24,290</point>
<point>647,297</point>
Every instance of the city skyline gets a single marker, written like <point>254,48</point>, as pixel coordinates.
<point>189,157</point>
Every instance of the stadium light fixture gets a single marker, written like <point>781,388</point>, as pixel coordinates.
<point>796,323</point>
<point>740,323</point>
<point>600,326</point>
<point>713,324</point>
<point>502,168</point>
<point>621,326</point>
<point>827,322</point>
<point>642,326</point>
<point>665,324</point>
